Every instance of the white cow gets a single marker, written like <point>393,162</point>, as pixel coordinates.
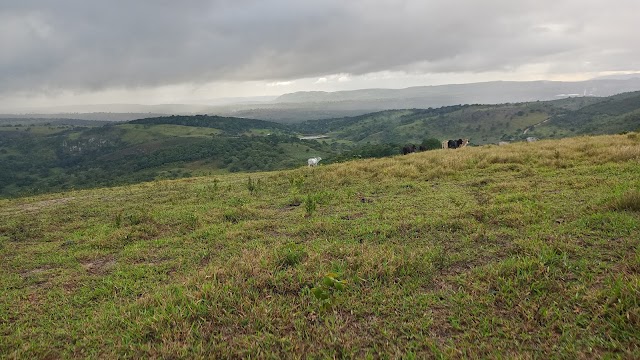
<point>314,161</point>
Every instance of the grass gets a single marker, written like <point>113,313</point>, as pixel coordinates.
<point>137,134</point>
<point>527,250</point>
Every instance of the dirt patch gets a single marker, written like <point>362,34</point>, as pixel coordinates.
<point>352,216</point>
<point>43,204</point>
<point>99,265</point>
<point>39,277</point>
<point>35,271</point>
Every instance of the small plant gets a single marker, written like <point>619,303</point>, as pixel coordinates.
<point>236,215</point>
<point>326,291</point>
<point>232,216</point>
<point>137,218</point>
<point>191,221</point>
<point>252,186</point>
<point>289,256</point>
<point>310,204</point>
<point>118,219</point>
<point>296,181</point>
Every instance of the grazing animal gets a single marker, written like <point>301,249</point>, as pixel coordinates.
<point>314,161</point>
<point>532,139</point>
<point>408,149</point>
<point>454,144</point>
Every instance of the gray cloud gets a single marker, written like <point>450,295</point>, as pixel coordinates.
<point>92,45</point>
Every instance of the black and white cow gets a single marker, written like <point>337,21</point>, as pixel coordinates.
<point>454,144</point>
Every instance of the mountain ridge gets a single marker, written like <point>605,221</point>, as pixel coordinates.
<point>311,105</point>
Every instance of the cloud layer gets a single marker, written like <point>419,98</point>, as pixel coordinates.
<point>50,46</point>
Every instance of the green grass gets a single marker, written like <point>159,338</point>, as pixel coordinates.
<point>527,251</point>
<point>37,129</point>
<point>137,134</point>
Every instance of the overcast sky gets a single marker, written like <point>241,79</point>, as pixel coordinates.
<point>192,51</point>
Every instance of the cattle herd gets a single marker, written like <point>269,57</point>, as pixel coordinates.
<point>411,148</point>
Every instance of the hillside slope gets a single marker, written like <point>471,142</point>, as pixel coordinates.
<point>54,156</point>
<point>487,123</point>
<point>613,114</point>
<point>528,250</point>
<point>492,92</point>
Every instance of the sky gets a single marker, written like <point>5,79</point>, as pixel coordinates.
<point>67,52</point>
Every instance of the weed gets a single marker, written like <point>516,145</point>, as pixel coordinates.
<point>137,217</point>
<point>236,215</point>
<point>289,256</point>
<point>628,201</point>
<point>326,291</point>
<point>118,218</point>
<point>310,205</point>
<point>296,181</point>
<point>191,221</point>
<point>252,186</point>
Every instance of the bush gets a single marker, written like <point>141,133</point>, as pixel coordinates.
<point>431,144</point>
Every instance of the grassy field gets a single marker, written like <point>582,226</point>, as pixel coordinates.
<point>529,250</point>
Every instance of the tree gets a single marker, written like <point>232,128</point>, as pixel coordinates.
<point>431,144</point>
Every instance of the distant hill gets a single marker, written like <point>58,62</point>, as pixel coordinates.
<point>477,93</point>
<point>229,125</point>
<point>302,106</point>
<point>487,123</point>
<point>91,116</point>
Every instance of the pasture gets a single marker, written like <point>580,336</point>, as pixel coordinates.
<point>525,250</point>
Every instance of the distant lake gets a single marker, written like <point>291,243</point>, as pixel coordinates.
<point>314,137</point>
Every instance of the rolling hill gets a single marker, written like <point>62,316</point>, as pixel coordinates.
<point>55,156</point>
<point>300,106</point>
<point>528,250</point>
<point>487,123</point>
